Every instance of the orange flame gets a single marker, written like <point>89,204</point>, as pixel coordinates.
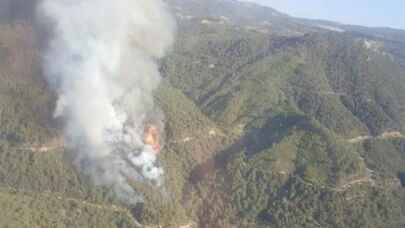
<point>152,138</point>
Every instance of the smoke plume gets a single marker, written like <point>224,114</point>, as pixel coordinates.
<point>102,61</point>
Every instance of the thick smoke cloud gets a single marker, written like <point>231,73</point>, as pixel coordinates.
<point>101,60</point>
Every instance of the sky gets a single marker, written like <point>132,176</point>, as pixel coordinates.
<point>375,13</point>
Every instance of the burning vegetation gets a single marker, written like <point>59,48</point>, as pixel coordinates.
<point>152,137</point>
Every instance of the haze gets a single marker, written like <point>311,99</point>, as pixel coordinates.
<point>374,13</point>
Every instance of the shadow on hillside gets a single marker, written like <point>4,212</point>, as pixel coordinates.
<point>275,130</point>
<point>255,141</point>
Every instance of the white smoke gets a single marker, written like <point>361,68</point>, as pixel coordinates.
<point>102,62</point>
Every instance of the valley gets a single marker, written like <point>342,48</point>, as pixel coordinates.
<point>270,121</point>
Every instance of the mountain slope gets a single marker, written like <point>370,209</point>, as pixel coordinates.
<point>271,121</point>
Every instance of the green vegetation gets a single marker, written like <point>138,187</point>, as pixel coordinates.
<point>296,127</point>
<point>26,209</point>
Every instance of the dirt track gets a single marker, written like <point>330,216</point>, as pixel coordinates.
<point>52,145</point>
<point>385,135</point>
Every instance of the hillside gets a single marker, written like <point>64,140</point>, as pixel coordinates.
<point>271,121</point>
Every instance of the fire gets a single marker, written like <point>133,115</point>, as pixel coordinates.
<point>152,138</point>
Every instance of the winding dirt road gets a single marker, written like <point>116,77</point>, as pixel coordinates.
<point>385,135</point>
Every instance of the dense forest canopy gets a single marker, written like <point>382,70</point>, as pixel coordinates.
<point>271,121</point>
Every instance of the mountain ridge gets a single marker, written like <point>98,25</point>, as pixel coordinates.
<point>258,131</point>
